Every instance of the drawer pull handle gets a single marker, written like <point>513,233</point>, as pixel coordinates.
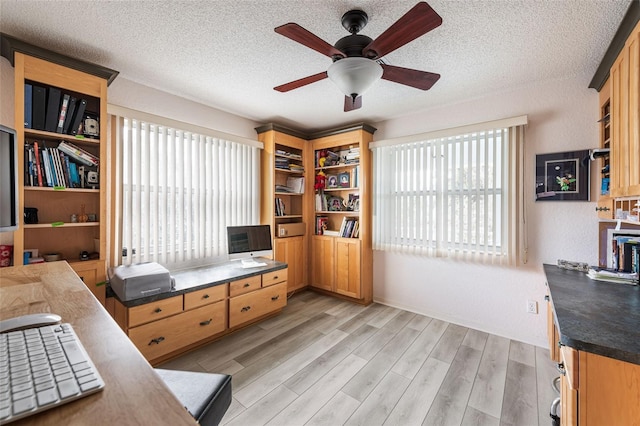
<point>247,285</point>
<point>274,298</point>
<point>158,310</point>
<point>207,322</point>
<point>245,309</point>
<point>602,209</point>
<point>275,278</point>
<point>547,298</point>
<point>206,296</point>
<point>157,340</point>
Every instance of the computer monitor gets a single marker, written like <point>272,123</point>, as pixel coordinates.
<point>9,214</point>
<point>246,242</point>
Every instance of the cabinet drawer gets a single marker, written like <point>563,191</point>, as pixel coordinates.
<point>275,277</point>
<point>164,336</point>
<point>244,285</point>
<point>250,306</point>
<point>154,310</point>
<point>204,297</point>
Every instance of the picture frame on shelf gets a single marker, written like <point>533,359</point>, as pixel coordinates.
<point>332,181</point>
<point>344,180</point>
<point>562,176</point>
<point>354,202</point>
<point>334,204</point>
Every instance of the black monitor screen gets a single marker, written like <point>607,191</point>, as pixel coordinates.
<point>9,215</point>
<point>253,240</point>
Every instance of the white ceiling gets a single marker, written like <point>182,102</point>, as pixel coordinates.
<point>225,54</point>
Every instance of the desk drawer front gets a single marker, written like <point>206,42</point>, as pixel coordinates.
<point>275,277</point>
<point>169,334</point>
<point>155,310</point>
<point>250,306</point>
<point>203,297</point>
<point>245,285</point>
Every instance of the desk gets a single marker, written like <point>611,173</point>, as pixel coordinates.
<point>133,393</point>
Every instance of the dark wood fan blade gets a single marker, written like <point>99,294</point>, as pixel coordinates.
<point>296,33</point>
<point>419,79</point>
<point>418,21</point>
<point>350,104</point>
<point>301,82</point>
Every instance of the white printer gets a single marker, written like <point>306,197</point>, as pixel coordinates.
<point>140,280</point>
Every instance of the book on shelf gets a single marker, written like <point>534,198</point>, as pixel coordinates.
<point>53,109</point>
<point>624,249</point>
<point>292,155</point>
<point>38,163</point>
<point>349,227</point>
<point>279,207</point>
<point>71,109</point>
<point>78,154</point>
<point>321,225</point>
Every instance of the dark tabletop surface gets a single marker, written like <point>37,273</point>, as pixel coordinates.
<point>193,279</point>
<point>596,316</point>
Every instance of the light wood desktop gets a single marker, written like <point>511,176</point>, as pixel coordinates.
<point>133,393</point>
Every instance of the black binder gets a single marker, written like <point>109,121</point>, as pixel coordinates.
<point>39,107</point>
<point>28,107</point>
<point>53,109</point>
<point>71,109</point>
<point>77,117</point>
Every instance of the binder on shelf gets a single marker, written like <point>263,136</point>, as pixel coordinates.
<point>78,154</point>
<point>39,105</point>
<point>63,112</point>
<point>71,109</point>
<point>77,117</point>
<point>28,99</point>
<point>53,108</point>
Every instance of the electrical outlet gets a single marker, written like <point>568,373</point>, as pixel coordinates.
<point>532,306</point>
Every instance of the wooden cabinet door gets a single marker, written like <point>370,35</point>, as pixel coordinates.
<point>291,251</point>
<point>625,119</point>
<point>323,265</point>
<point>93,275</point>
<point>348,267</point>
<point>552,333</point>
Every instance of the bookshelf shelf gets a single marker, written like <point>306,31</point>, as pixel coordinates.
<point>289,193</point>
<point>62,225</point>
<point>61,136</point>
<point>69,190</point>
<point>347,212</point>
<point>338,166</point>
<point>289,216</point>
<point>293,172</point>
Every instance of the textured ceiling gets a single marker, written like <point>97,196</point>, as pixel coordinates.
<point>225,54</point>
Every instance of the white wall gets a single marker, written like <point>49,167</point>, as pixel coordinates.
<point>562,117</point>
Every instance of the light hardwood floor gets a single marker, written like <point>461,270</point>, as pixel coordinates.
<point>324,361</point>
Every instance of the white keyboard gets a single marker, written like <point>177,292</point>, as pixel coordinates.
<point>41,368</point>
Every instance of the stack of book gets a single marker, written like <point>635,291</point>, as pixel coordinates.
<point>282,163</point>
<point>350,227</point>
<point>602,274</point>
<point>60,167</point>
<point>280,207</point>
<point>351,156</point>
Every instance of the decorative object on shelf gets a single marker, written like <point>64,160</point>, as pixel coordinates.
<point>82,217</point>
<point>30,215</point>
<point>332,181</point>
<point>320,181</point>
<point>91,125</point>
<point>344,180</point>
<point>354,203</point>
<point>562,176</point>
<point>335,204</point>
<point>6,254</point>
<point>84,255</point>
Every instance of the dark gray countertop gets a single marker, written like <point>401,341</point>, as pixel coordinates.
<point>596,316</point>
<point>193,279</point>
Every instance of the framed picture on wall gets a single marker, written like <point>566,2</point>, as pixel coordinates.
<point>563,176</point>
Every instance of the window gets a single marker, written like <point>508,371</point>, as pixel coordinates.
<point>178,190</point>
<point>450,194</point>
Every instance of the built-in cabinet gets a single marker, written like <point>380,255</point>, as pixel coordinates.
<point>341,253</point>
<point>625,119</point>
<point>284,194</point>
<point>167,327</point>
<point>70,220</point>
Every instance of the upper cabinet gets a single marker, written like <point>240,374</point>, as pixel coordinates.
<point>625,119</point>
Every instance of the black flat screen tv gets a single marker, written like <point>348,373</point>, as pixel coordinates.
<point>9,214</point>
<point>250,241</point>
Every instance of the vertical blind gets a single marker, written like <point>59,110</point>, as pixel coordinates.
<point>453,195</point>
<point>178,190</point>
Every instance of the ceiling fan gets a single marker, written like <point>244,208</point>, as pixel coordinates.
<point>357,58</point>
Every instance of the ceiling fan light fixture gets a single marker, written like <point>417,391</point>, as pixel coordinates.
<point>354,75</point>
